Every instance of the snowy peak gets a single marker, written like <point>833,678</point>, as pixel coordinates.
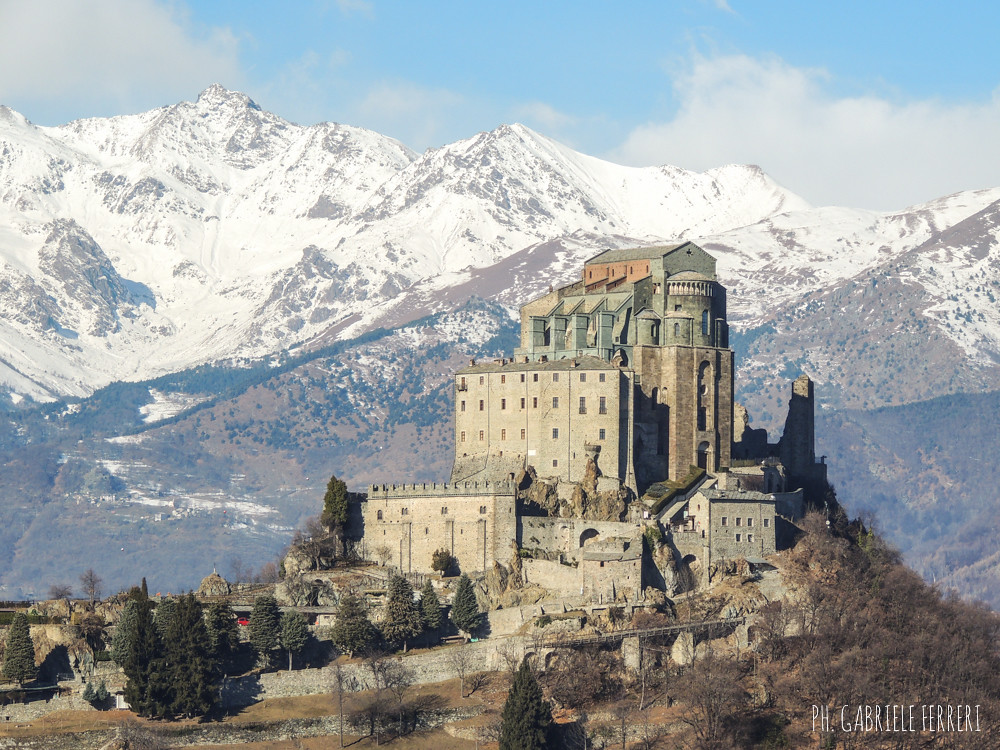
<point>137,245</point>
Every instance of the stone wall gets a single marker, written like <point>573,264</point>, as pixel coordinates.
<point>541,413</point>
<point>476,525</point>
<point>559,579</point>
<point>567,536</point>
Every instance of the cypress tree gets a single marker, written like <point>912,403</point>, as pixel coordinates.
<point>402,621</point>
<point>19,658</point>
<point>430,607</point>
<point>188,665</point>
<point>125,631</point>
<point>353,631</point>
<point>334,504</point>
<point>221,628</point>
<point>526,717</point>
<point>164,615</point>
<point>264,624</point>
<point>142,656</point>
<point>294,634</point>
<point>465,608</point>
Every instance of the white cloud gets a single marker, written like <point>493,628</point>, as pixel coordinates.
<point>349,7</point>
<point>863,151</point>
<point>544,116</point>
<point>107,56</point>
<point>413,114</point>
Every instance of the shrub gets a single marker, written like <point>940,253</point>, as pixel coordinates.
<point>442,561</point>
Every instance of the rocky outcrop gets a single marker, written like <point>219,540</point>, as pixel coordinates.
<point>213,585</point>
<point>585,500</point>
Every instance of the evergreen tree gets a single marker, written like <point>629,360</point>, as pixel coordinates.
<point>264,625</point>
<point>464,607</point>
<point>19,658</point>
<point>125,631</point>
<point>89,694</point>
<point>142,654</point>
<point>335,504</point>
<point>526,718</point>
<point>188,665</point>
<point>353,631</point>
<point>402,620</point>
<point>164,615</point>
<point>222,630</point>
<point>102,693</point>
<point>294,634</point>
<point>430,608</point>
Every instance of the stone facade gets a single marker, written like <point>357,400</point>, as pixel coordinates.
<point>474,521</point>
<point>550,415</point>
<point>629,368</point>
<point>659,315</point>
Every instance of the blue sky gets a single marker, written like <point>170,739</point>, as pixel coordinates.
<point>873,105</point>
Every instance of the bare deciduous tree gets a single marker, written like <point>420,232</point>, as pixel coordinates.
<point>91,584</point>
<point>461,661</point>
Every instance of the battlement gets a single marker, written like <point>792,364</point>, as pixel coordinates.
<point>441,489</point>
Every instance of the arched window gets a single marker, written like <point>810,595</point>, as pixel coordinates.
<point>378,516</point>
<point>704,322</point>
<point>654,399</point>
<point>677,330</point>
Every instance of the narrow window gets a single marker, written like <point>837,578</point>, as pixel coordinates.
<point>534,378</point>
<point>503,403</point>
<point>600,377</point>
<point>426,530</point>
<point>522,377</point>
<point>601,434</point>
<point>482,380</point>
<point>704,322</point>
<point>677,330</point>
<point>555,433</point>
<point>464,385</point>
<point>481,402</point>
<point>739,521</point>
<point>522,433</point>
<point>555,463</point>
<point>378,516</point>
<point>725,521</point>
<point>404,512</point>
<point>534,402</point>
<point>583,404</point>
<point>503,434</point>
<point>555,402</point>
<point>463,436</point>
<point>463,406</point>
<point>481,434</point>
<point>503,378</point>
<point>749,522</point>
<point>522,403</point>
<point>482,509</point>
<point>767,523</point>
<point>583,377</point>
<point>750,537</point>
<point>602,405</point>
<point>555,377</point>
<point>737,537</point>
<point>444,510</point>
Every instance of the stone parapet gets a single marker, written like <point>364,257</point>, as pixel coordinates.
<point>442,489</point>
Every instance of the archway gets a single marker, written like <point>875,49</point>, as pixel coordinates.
<point>588,536</point>
<point>703,455</point>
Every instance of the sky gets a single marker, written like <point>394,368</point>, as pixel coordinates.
<point>869,105</point>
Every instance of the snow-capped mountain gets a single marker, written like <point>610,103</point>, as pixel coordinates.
<point>142,244</point>
<point>139,245</point>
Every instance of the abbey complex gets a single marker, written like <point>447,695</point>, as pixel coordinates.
<point>612,421</point>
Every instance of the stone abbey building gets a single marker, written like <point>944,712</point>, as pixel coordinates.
<point>622,380</point>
